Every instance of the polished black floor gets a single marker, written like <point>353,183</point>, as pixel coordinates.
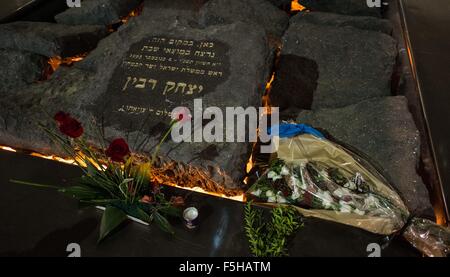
<point>40,222</point>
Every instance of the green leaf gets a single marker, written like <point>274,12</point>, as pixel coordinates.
<point>111,219</point>
<point>162,222</point>
<point>171,211</point>
<point>81,192</point>
<point>126,181</point>
<point>33,184</point>
<point>100,202</point>
<point>91,169</point>
<point>135,211</point>
<point>143,216</point>
<point>101,182</point>
<point>270,238</point>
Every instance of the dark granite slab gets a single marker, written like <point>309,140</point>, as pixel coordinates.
<point>19,69</point>
<point>427,27</point>
<point>338,20</point>
<point>351,64</point>
<point>349,7</point>
<point>49,39</point>
<point>262,12</point>
<point>97,12</point>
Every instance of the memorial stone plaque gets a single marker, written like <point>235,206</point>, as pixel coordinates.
<point>159,74</point>
<point>128,86</point>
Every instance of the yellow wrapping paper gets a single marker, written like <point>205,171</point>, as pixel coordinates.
<point>307,148</point>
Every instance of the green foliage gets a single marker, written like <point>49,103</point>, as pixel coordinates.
<point>337,176</point>
<point>162,223</point>
<point>81,192</point>
<point>117,186</point>
<point>270,238</point>
<point>111,219</point>
<point>276,165</point>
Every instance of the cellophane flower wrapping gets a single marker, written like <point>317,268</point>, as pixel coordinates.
<point>323,179</point>
<point>431,239</point>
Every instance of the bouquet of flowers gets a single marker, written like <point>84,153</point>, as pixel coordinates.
<point>114,179</point>
<point>325,180</point>
<point>322,179</point>
<point>317,186</point>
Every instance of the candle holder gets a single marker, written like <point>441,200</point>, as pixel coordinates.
<point>190,215</point>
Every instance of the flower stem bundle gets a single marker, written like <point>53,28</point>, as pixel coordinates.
<point>112,178</point>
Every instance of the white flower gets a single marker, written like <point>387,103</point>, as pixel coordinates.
<point>350,185</point>
<point>281,199</point>
<point>358,179</point>
<point>371,201</point>
<point>181,114</point>
<point>326,198</point>
<point>285,170</point>
<point>256,192</point>
<point>325,174</point>
<point>295,193</point>
<point>356,211</point>
<point>344,207</point>
<point>292,182</point>
<point>272,199</point>
<point>302,168</point>
<point>273,175</point>
<point>296,182</point>
<point>269,193</point>
<point>350,202</point>
<point>340,192</point>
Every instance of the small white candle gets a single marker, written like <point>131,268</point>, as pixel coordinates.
<point>190,214</point>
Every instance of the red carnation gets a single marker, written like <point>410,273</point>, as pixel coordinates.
<point>61,116</point>
<point>147,199</point>
<point>118,150</point>
<point>71,127</point>
<point>68,125</point>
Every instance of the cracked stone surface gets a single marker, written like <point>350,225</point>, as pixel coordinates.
<point>338,20</point>
<point>282,4</point>
<point>349,7</point>
<point>383,130</point>
<point>353,64</point>
<point>261,12</point>
<point>97,12</point>
<point>19,69</point>
<point>50,39</point>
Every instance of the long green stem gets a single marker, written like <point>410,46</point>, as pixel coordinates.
<point>76,156</point>
<point>162,140</point>
<point>33,184</point>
